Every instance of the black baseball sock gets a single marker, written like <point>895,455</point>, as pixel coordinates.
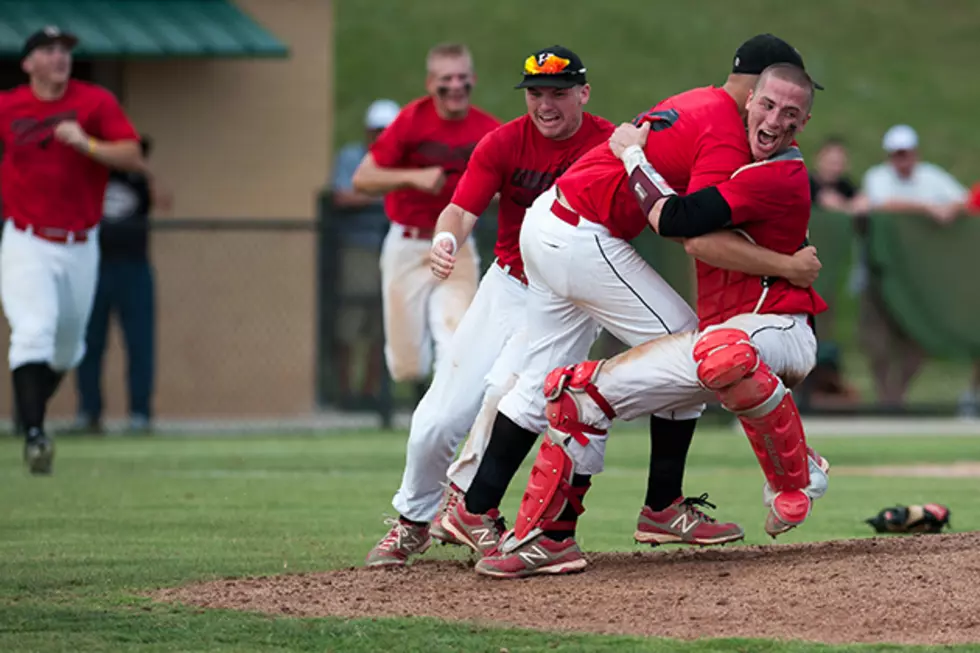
<point>569,514</point>
<point>669,443</point>
<point>508,447</point>
<point>54,380</point>
<point>31,384</point>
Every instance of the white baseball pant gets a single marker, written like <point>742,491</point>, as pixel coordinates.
<point>485,355</point>
<point>581,277</point>
<point>47,290</point>
<point>420,311</point>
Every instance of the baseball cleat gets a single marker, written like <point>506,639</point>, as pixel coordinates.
<point>449,499</point>
<point>479,532</point>
<point>402,541</point>
<point>789,509</point>
<point>39,454</point>
<point>683,522</point>
<point>537,556</point>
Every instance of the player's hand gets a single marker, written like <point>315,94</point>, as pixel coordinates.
<point>628,134</point>
<point>71,133</point>
<point>430,180</point>
<point>804,267</point>
<point>441,259</point>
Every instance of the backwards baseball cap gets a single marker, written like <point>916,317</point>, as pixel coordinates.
<point>899,138</point>
<point>381,113</point>
<point>555,67</point>
<point>47,36</point>
<point>764,50</point>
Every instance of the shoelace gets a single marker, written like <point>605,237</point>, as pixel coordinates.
<point>394,538</point>
<point>690,504</point>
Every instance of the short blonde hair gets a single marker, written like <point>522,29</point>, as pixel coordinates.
<point>447,50</point>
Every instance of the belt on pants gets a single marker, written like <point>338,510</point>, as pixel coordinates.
<point>511,271</point>
<point>416,233</point>
<point>53,234</point>
<point>564,213</point>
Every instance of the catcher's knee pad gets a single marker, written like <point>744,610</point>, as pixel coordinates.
<point>724,356</point>
<point>549,491</point>
<point>560,389</point>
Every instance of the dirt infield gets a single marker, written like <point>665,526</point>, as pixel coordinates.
<point>907,589</point>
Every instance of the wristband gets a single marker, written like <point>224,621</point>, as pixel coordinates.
<point>647,185</point>
<point>446,235</point>
<point>90,145</point>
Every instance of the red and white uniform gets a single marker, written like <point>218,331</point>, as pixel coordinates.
<point>488,347</point>
<point>770,204</point>
<point>581,269</point>
<point>417,306</point>
<point>52,200</point>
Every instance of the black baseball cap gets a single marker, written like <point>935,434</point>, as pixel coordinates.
<point>555,67</point>
<point>764,50</point>
<point>47,36</point>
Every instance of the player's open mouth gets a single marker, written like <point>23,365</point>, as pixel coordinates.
<point>551,119</point>
<point>766,138</point>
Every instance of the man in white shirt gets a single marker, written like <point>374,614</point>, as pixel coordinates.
<point>902,184</point>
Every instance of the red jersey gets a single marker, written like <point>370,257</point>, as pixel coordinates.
<point>697,139</point>
<point>419,138</point>
<point>519,163</point>
<point>770,203</point>
<point>45,183</point>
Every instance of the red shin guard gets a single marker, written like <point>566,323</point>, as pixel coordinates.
<point>548,491</point>
<point>729,364</point>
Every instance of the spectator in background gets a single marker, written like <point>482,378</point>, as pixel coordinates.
<point>126,288</point>
<point>902,184</point>
<point>832,189</point>
<point>831,186</point>
<point>362,231</point>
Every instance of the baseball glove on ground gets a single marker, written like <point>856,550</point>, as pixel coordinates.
<point>928,518</point>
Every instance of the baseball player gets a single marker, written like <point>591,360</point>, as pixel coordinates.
<point>60,137</point>
<point>519,160</point>
<point>417,163</point>
<point>582,271</point>
<point>755,339</point>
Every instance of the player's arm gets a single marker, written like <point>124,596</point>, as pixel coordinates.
<point>113,142</point>
<point>374,179</point>
<point>731,251</point>
<point>454,226</point>
<point>480,183</point>
<point>383,168</point>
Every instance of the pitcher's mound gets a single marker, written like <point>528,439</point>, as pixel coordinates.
<point>905,589</point>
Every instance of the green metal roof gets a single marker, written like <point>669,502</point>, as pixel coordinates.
<point>141,28</point>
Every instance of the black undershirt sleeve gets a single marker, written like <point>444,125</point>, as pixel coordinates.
<point>695,215</point>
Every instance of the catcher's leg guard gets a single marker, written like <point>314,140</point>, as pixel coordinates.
<point>549,491</point>
<point>569,447</point>
<point>729,364</point>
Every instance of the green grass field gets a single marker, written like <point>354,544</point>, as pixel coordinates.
<point>124,516</point>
